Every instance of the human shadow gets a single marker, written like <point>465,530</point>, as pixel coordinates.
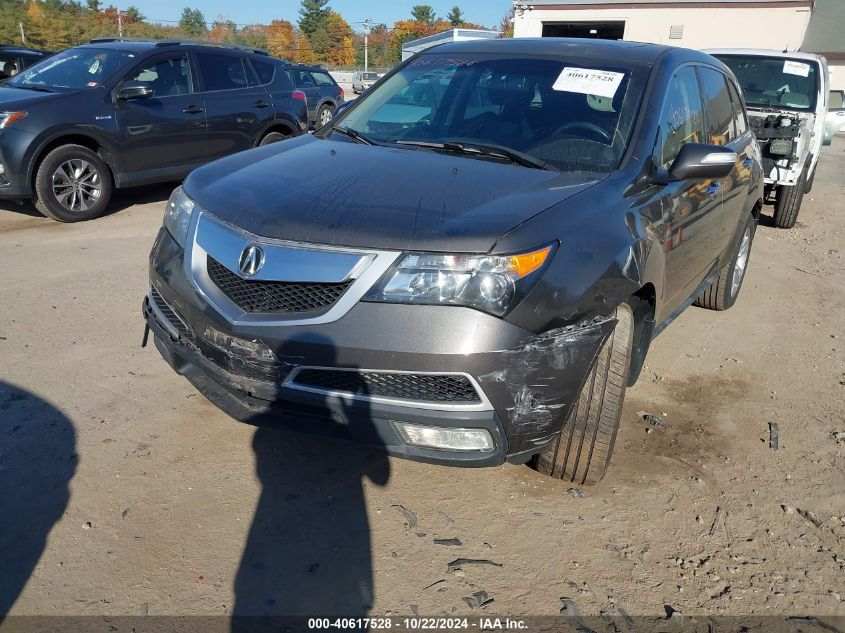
<point>308,552</point>
<point>37,461</point>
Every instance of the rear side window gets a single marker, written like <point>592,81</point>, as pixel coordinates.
<point>837,99</point>
<point>681,119</point>
<point>8,66</point>
<point>740,121</point>
<point>302,78</point>
<point>717,106</point>
<point>322,79</point>
<point>264,71</point>
<point>221,72</point>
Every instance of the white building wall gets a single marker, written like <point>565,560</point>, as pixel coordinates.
<point>770,27</point>
<point>837,74</point>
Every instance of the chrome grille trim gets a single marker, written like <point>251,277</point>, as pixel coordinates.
<point>483,404</point>
<point>210,236</point>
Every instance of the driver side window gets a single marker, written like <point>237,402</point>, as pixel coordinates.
<point>167,76</point>
<point>681,119</point>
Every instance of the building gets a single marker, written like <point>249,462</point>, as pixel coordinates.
<point>813,26</point>
<point>409,49</point>
<point>699,24</point>
<point>826,36</point>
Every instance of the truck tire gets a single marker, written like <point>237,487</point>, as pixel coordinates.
<point>72,184</point>
<point>723,292</point>
<point>581,452</point>
<point>788,202</point>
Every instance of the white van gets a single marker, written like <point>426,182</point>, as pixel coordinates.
<point>787,97</point>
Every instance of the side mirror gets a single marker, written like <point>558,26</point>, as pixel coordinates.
<point>134,90</point>
<point>700,161</point>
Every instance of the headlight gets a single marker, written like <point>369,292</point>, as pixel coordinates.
<point>7,118</point>
<point>177,215</point>
<point>492,283</point>
<point>780,147</point>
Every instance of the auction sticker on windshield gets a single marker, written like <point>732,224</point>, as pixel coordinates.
<point>796,68</point>
<point>600,83</point>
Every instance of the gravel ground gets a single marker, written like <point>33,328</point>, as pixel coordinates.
<point>122,491</point>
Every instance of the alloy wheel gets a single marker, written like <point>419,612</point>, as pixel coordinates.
<point>325,116</point>
<point>741,262</point>
<point>77,185</point>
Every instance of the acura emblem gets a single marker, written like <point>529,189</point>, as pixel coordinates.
<point>251,261</point>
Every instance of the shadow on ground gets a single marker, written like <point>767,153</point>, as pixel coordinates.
<point>37,461</point>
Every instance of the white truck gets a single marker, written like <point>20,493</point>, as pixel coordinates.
<point>787,98</point>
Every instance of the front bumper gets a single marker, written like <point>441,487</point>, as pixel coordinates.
<point>528,382</point>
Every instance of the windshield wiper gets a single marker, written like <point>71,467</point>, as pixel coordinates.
<point>482,149</point>
<point>355,135</point>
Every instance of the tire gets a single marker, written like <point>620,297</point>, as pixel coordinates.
<point>272,137</point>
<point>324,115</point>
<point>72,184</point>
<point>723,292</point>
<point>788,203</point>
<point>581,452</point>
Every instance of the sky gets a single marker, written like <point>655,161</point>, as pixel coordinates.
<point>485,12</point>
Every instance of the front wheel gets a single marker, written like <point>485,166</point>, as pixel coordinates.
<point>581,452</point>
<point>788,202</point>
<point>72,184</point>
<point>272,137</point>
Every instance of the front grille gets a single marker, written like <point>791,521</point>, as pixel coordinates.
<point>170,314</point>
<point>274,296</point>
<point>419,387</point>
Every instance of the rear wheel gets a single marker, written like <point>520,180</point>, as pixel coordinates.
<point>788,202</point>
<point>723,292</point>
<point>72,184</point>
<point>325,115</point>
<point>272,137</point>
<point>581,453</point>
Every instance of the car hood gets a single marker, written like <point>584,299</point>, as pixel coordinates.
<point>20,98</point>
<point>349,194</point>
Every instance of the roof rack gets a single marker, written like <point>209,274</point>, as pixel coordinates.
<point>181,42</point>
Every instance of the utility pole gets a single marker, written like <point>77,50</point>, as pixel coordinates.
<point>23,36</point>
<point>120,23</point>
<point>367,23</point>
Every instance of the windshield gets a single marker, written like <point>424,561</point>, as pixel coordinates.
<point>571,115</point>
<point>775,82</point>
<point>75,69</point>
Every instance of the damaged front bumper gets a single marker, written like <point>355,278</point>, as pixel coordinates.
<point>378,369</point>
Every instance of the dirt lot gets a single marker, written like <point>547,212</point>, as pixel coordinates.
<point>123,492</point>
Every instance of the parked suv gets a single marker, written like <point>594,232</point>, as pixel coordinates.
<point>324,95</point>
<point>118,113</point>
<point>476,278</point>
<point>14,59</point>
<point>787,97</point>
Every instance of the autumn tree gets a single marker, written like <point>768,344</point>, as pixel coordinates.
<point>506,26</point>
<point>223,30</point>
<point>332,41</point>
<point>456,17</point>
<point>424,13</point>
<point>192,22</point>
<point>280,39</point>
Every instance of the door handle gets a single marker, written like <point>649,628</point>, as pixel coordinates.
<point>193,110</point>
<point>260,104</point>
<point>713,189</point>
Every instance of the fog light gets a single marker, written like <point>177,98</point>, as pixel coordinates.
<point>780,147</point>
<point>444,438</point>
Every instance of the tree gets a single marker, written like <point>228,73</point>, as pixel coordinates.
<point>223,30</point>
<point>133,14</point>
<point>313,15</point>
<point>333,42</point>
<point>506,26</point>
<point>93,5</point>
<point>424,13</point>
<point>281,41</point>
<point>456,17</point>
<point>192,22</point>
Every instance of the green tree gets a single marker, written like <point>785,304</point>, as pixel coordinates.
<point>192,22</point>
<point>133,14</point>
<point>424,13</point>
<point>93,5</point>
<point>313,15</point>
<point>456,17</point>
